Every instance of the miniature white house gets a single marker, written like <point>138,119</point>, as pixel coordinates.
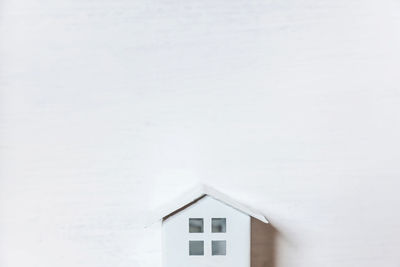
<point>206,228</point>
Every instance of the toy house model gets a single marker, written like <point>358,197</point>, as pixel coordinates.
<point>206,228</point>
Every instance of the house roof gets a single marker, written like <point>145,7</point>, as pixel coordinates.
<point>192,196</point>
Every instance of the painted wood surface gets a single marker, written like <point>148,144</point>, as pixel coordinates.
<point>110,108</point>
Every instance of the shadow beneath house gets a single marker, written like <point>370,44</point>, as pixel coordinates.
<point>263,239</point>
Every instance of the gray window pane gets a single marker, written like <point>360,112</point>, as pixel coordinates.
<point>218,247</point>
<point>196,248</point>
<point>195,225</point>
<point>219,225</point>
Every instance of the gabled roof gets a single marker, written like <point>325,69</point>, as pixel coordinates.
<point>196,194</point>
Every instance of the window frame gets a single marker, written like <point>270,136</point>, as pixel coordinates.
<point>202,225</point>
<point>214,244</point>
<point>212,225</point>
<point>190,247</point>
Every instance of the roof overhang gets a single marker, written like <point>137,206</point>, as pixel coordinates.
<point>189,198</point>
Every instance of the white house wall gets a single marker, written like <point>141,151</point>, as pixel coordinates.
<point>176,236</point>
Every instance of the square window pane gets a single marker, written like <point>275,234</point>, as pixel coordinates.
<point>218,247</point>
<point>195,225</point>
<point>219,225</point>
<point>196,248</point>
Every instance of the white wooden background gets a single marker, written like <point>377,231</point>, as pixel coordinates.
<point>111,107</point>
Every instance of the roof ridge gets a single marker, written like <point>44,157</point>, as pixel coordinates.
<point>192,196</point>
